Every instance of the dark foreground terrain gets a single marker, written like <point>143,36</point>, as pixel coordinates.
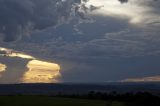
<point>91,99</point>
<point>52,101</point>
<point>110,94</point>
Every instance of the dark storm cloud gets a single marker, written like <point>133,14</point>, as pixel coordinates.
<point>123,1</point>
<point>19,17</point>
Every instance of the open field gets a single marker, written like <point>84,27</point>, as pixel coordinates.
<point>136,94</point>
<point>52,101</point>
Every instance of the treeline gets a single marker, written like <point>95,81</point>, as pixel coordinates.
<point>130,99</point>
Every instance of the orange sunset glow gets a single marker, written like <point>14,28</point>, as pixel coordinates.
<point>2,67</point>
<point>38,71</point>
<point>41,72</point>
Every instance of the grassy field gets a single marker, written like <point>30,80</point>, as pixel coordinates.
<point>52,101</point>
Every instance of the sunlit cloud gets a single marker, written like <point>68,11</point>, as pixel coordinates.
<point>12,53</point>
<point>38,71</point>
<point>21,55</point>
<point>41,72</point>
<point>135,11</point>
<point>2,68</point>
<point>144,79</point>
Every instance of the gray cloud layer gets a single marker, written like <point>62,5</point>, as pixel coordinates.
<point>21,17</point>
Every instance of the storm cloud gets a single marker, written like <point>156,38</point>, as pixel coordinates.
<point>19,17</point>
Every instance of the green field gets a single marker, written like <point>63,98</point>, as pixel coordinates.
<point>52,101</point>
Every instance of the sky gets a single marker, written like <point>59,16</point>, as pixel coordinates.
<point>80,41</point>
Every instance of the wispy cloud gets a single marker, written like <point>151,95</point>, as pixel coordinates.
<point>143,79</point>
